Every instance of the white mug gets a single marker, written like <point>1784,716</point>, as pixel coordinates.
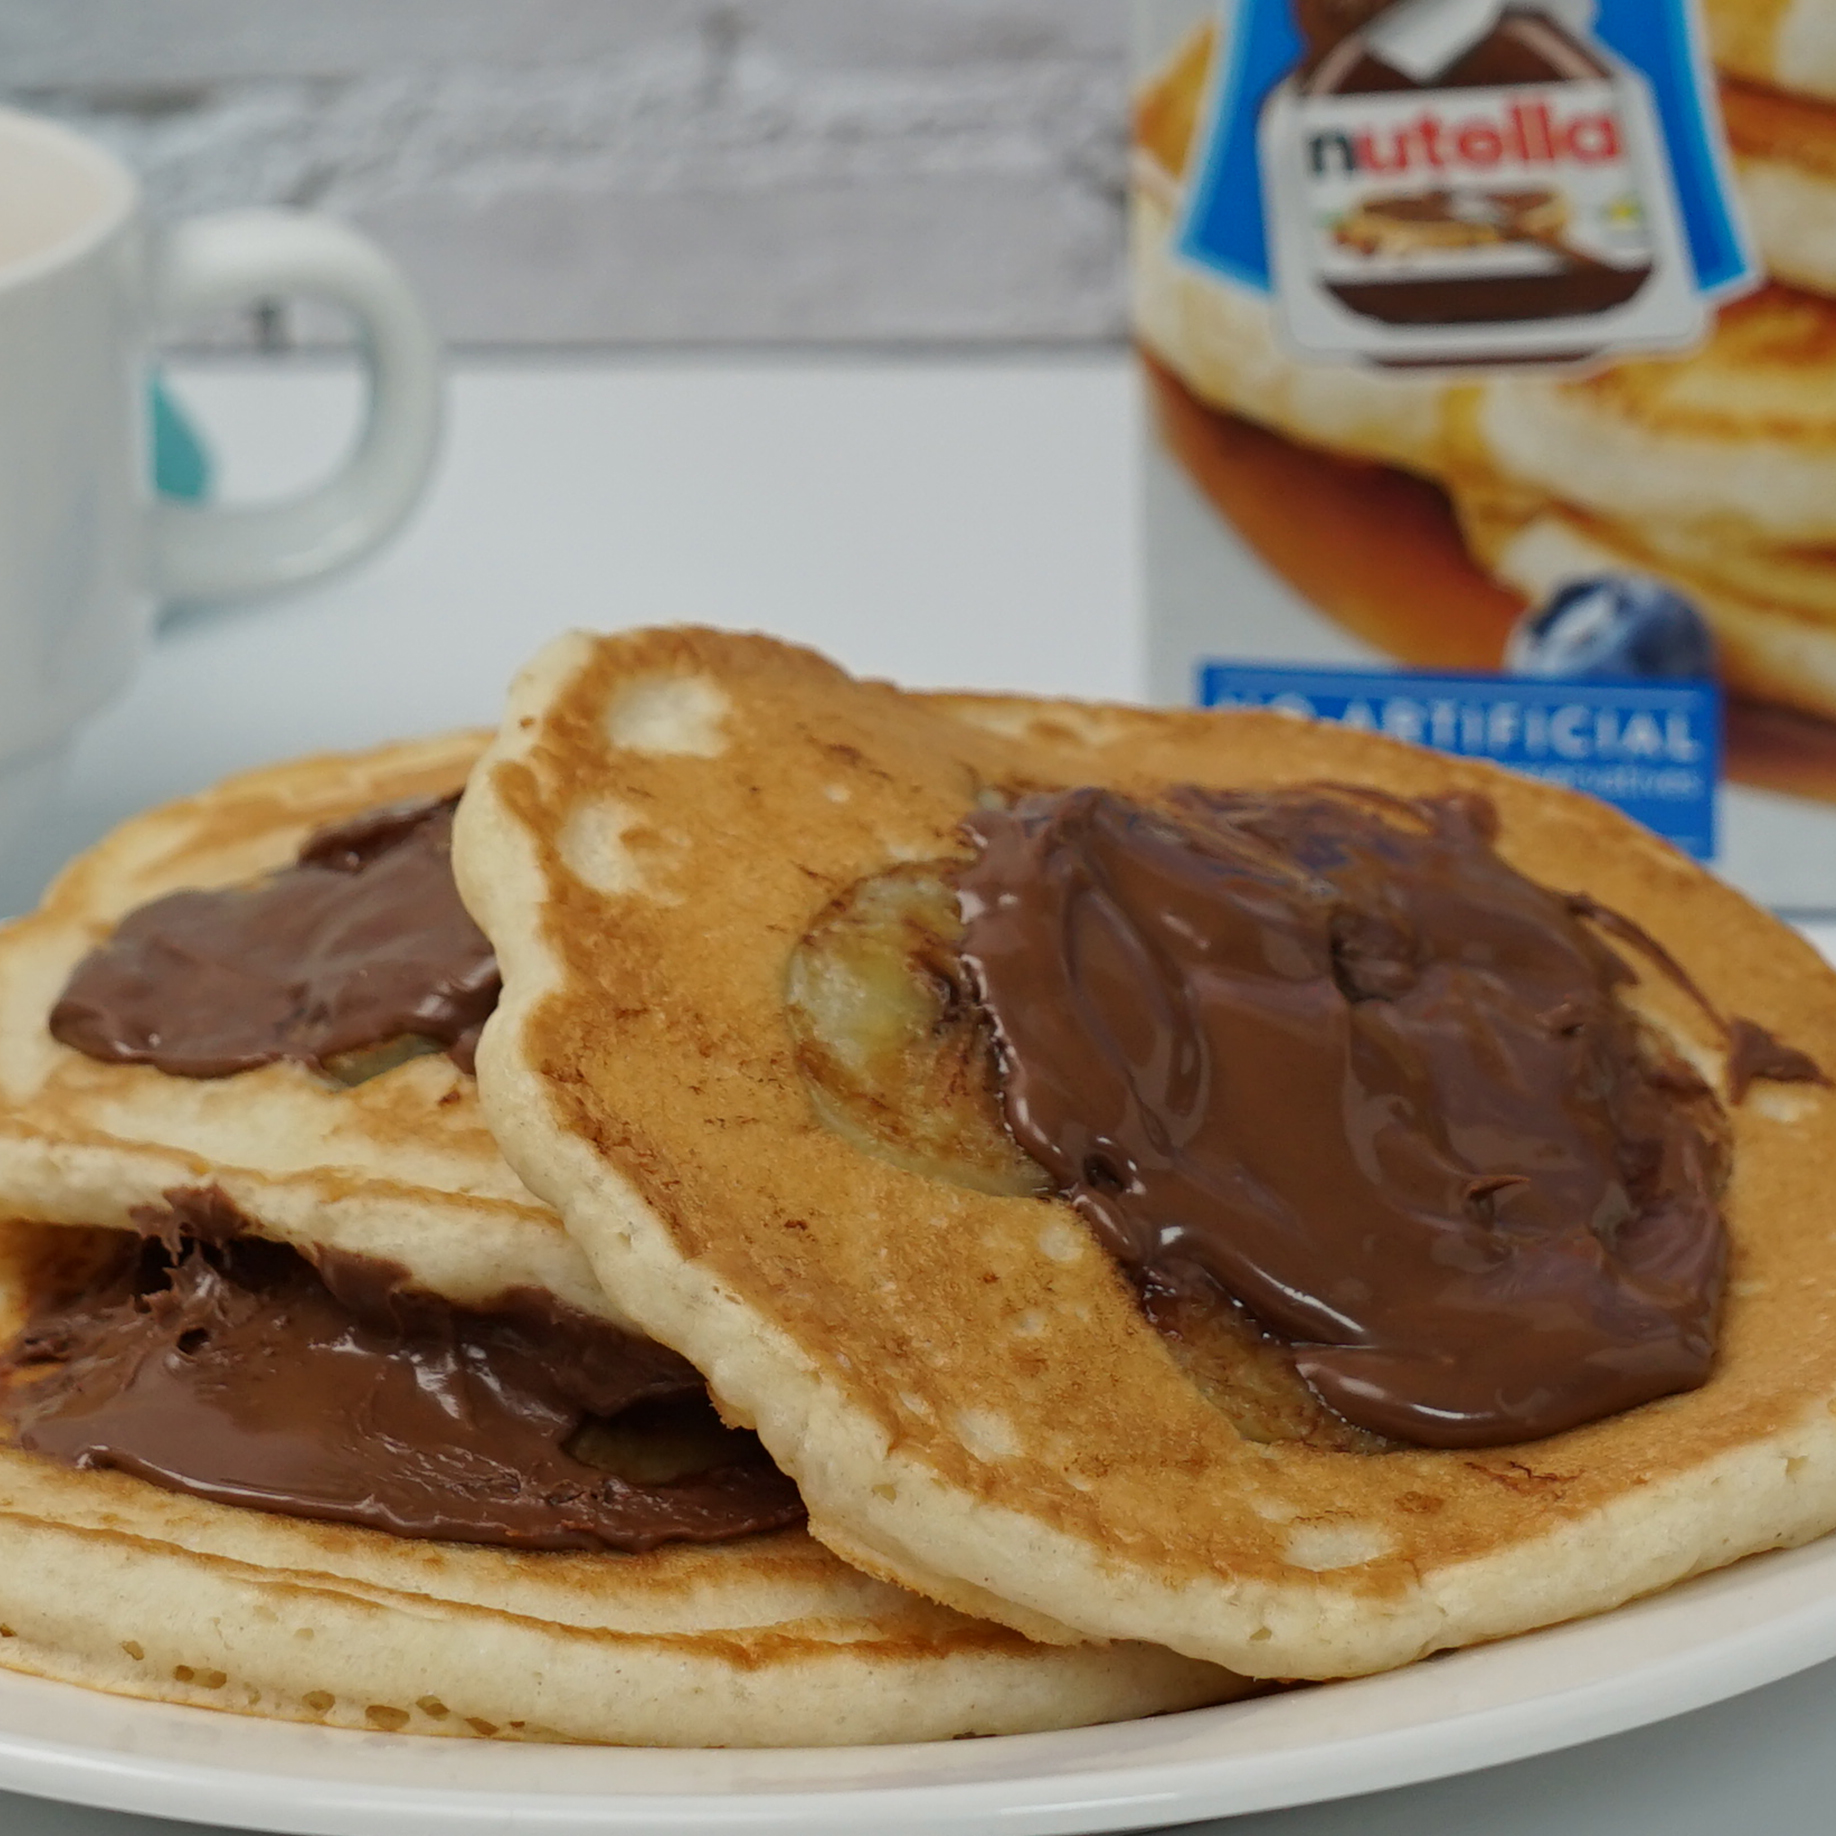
<point>87,550</point>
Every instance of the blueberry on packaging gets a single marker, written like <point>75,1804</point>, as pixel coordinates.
<point>1617,627</point>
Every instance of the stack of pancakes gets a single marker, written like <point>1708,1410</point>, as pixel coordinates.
<point>722,1360</point>
<point>198,1505</point>
<point>1713,471</point>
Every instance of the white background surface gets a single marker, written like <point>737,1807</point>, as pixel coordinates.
<point>945,524</point>
<point>959,524</point>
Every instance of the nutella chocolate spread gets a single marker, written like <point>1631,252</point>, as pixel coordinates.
<point>1753,1055</point>
<point>1438,169</point>
<point>237,1371</point>
<point>360,944</point>
<point>1327,1051</point>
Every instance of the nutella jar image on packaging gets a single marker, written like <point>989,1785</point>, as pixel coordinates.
<point>1463,182</point>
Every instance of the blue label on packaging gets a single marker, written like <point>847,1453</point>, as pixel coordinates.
<point>1226,227</point>
<point>1652,751</point>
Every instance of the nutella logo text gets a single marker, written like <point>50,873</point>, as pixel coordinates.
<point>1435,215</point>
<point>1524,133</point>
<point>1532,218</point>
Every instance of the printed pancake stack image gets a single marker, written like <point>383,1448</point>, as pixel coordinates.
<point>1711,471</point>
<point>1714,471</point>
<point>1206,1178</point>
<point>308,1408</point>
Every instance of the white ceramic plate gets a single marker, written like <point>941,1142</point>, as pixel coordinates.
<point>1695,1645</point>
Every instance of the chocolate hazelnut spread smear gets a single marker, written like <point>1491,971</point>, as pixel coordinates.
<point>1326,1050</point>
<point>236,1371</point>
<point>363,941</point>
<point>1753,1054</point>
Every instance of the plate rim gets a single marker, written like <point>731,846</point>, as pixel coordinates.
<point>1117,1797</point>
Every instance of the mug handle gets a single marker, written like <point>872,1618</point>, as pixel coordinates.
<point>239,257</point>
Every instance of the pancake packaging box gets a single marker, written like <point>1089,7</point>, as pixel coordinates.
<point>1489,364</point>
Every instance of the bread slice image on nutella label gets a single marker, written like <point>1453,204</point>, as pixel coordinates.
<point>1459,183</point>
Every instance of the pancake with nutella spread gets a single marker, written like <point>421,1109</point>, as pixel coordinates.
<point>1198,1177</point>
<point>242,1423</point>
<point>195,1004</point>
<point>409,1434</point>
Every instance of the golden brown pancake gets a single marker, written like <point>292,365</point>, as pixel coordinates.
<point>965,1389</point>
<point>109,1581</point>
<point>112,1583</point>
<point>1704,472</point>
<point>1378,550</point>
<point>401,1167</point>
<point>1779,128</point>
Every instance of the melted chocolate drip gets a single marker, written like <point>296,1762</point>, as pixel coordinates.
<point>206,1214</point>
<point>236,1371</point>
<point>363,941</point>
<point>1327,1050</point>
<point>1754,1054</point>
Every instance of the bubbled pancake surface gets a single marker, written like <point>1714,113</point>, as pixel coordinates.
<point>961,1384</point>
<point>115,1584</point>
<point>401,1167</point>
